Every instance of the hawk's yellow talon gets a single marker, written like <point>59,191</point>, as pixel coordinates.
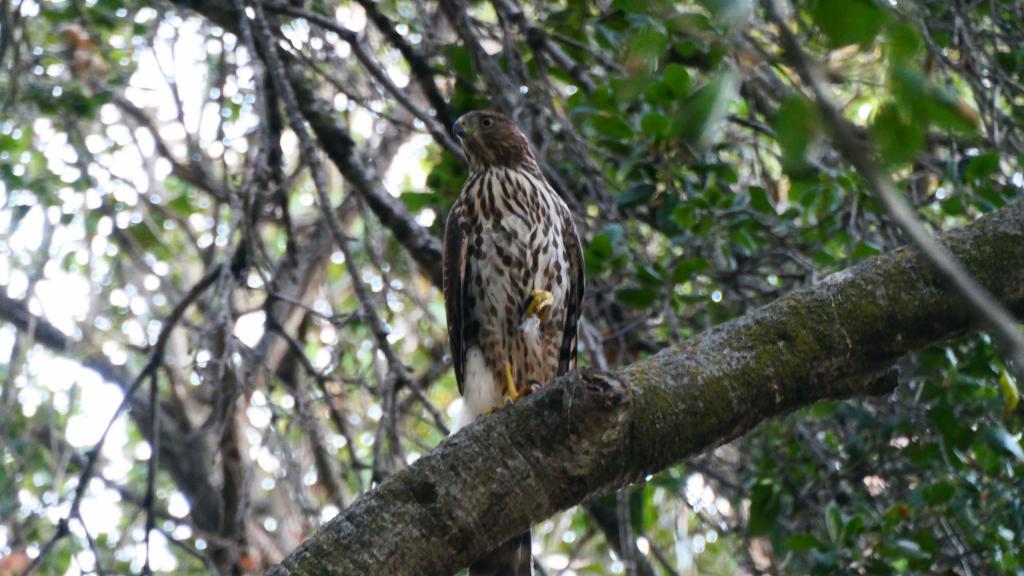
<point>540,304</point>
<point>510,384</point>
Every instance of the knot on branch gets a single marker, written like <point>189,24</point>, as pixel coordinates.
<point>591,397</point>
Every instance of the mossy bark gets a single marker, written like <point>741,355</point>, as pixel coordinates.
<point>589,433</point>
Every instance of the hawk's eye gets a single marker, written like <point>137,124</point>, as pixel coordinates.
<point>487,121</point>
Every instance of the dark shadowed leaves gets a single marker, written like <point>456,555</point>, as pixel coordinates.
<point>797,126</point>
<point>930,103</point>
<point>849,21</point>
<point>704,110</point>
<point>764,508</point>
<point>897,137</point>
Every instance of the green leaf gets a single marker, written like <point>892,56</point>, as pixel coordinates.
<point>982,166</point>
<point>649,276</point>
<point>759,200</point>
<point>1002,440</point>
<point>910,548</point>
<point>904,41</point>
<point>654,124</point>
<point>1008,388</point>
<point>704,110</point>
<point>849,21</point>
<point>625,90</point>
<point>635,195</point>
<point>953,430</point>
<point>897,138</point>
<point>746,244</point>
<point>613,127</point>
<point>932,103</point>
<point>660,94</point>
<point>600,252</point>
<point>678,79</point>
<point>803,542</point>
<point>630,5</point>
<point>864,250</point>
<point>833,522</point>
<point>729,13</point>
<point>144,236</point>
<point>600,246</point>
<point>764,508</point>
<point>182,204</point>
<point>459,60</point>
<point>685,269</point>
<point>416,201</point>
<point>644,50</point>
<point>938,493</point>
<point>637,297</point>
<point>796,126</point>
<point>951,113</point>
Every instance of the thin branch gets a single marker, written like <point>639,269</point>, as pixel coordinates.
<point>503,92</point>
<point>151,468</point>
<point>193,173</point>
<point>336,417</point>
<point>627,545</point>
<point>607,514</point>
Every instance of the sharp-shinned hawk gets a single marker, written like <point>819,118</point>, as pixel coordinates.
<point>513,286</point>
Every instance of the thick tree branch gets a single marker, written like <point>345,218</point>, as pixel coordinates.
<point>590,433</point>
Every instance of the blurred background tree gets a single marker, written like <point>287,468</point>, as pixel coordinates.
<point>163,236</point>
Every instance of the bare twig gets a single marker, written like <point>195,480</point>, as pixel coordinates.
<point>193,173</point>
<point>24,341</point>
<point>154,454</point>
<point>627,545</point>
<point>336,417</point>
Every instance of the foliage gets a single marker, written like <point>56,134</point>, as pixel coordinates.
<point>136,154</point>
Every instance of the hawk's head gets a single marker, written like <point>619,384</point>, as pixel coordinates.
<point>492,139</point>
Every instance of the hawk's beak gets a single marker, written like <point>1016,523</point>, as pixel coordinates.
<point>459,128</point>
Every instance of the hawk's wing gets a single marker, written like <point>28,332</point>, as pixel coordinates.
<point>453,287</point>
<point>574,301</point>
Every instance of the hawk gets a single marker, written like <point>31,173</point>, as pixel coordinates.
<point>513,286</point>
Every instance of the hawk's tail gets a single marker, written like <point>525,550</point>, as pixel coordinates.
<point>512,558</point>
